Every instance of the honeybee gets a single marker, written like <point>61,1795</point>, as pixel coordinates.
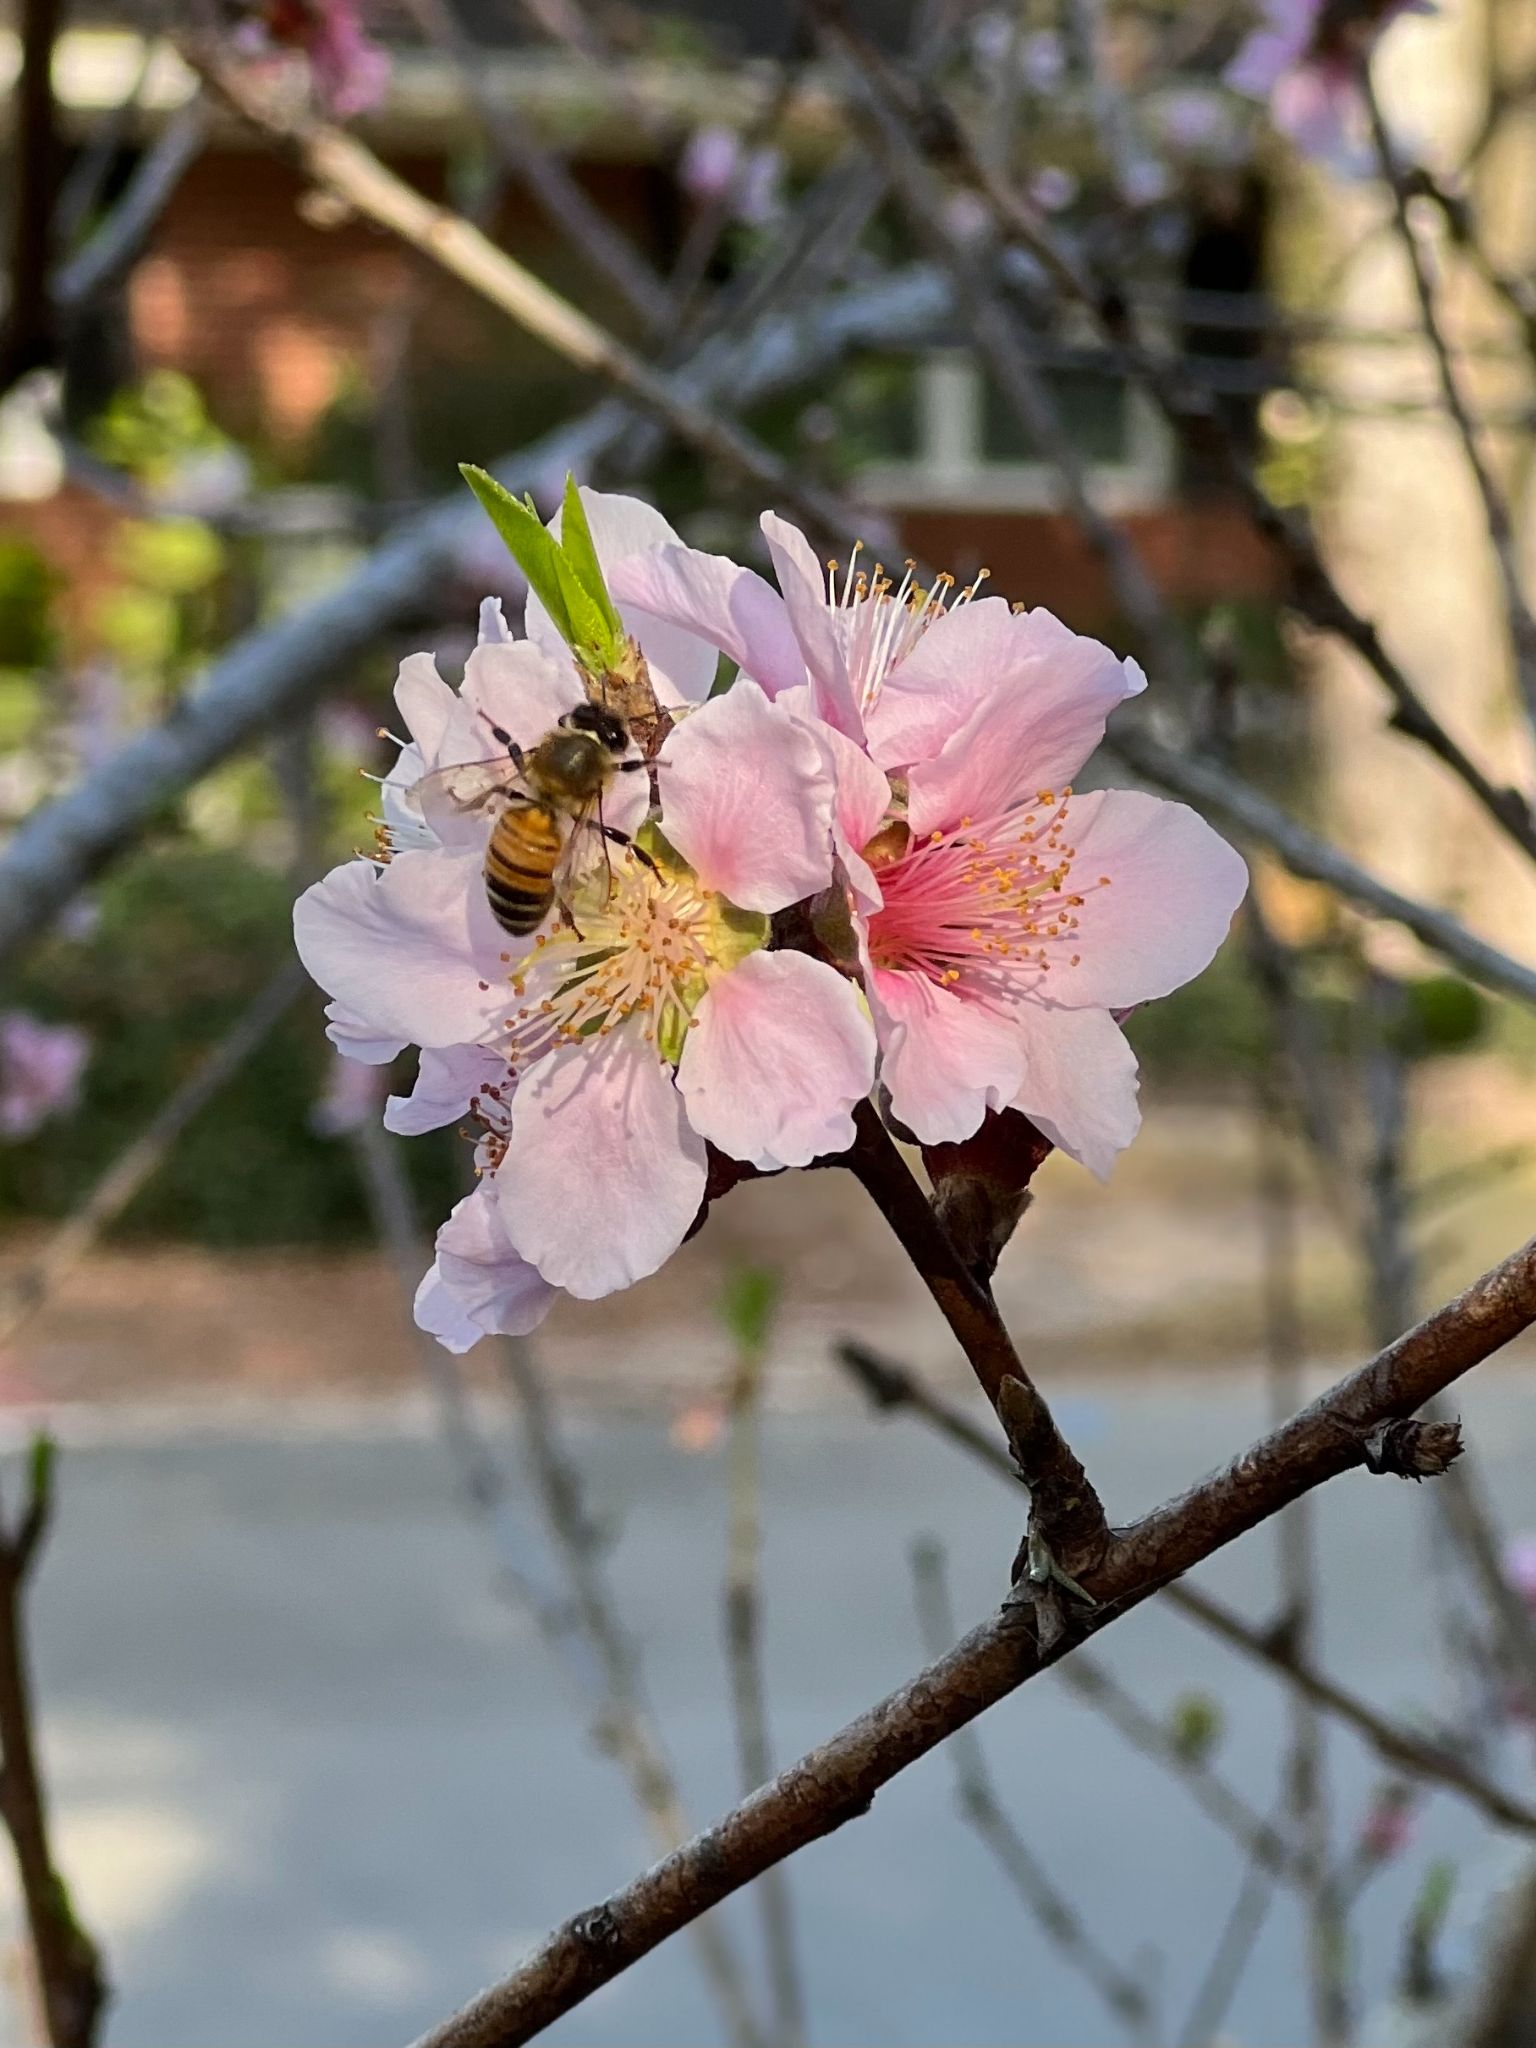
<point>546,800</point>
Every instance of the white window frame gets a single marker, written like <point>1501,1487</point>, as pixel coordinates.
<point>951,470</point>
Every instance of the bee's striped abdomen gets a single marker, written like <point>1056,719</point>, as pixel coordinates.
<point>520,862</point>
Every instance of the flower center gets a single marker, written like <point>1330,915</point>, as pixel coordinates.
<point>645,947</point>
<point>884,620</point>
<point>985,910</point>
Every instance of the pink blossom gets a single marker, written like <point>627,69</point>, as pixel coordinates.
<point>348,69</point>
<point>1520,1567</point>
<point>1304,59</point>
<point>597,1062</point>
<point>1387,1830</point>
<point>1003,920</point>
<point>716,170</point>
<point>40,1069</point>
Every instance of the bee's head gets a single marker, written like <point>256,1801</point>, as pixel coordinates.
<point>606,727</point>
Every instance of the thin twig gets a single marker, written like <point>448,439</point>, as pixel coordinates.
<point>1234,1948</point>
<point>978,1798</point>
<point>628,1726</point>
<point>586,228</point>
<point>23,1296</point>
<point>749,1692</point>
<point>621,1720</point>
<point>837,1781</point>
<point>72,1987</point>
<point>117,242</point>
<point>903,104</point>
<point>339,163</point>
<point>891,1386</point>
<point>1501,528</point>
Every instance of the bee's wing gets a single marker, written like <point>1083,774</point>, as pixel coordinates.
<point>584,848</point>
<point>447,794</point>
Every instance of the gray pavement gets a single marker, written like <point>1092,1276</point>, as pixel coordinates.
<point>317,1782</point>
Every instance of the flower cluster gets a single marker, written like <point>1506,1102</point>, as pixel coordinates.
<point>896,759</point>
<point>1304,60</point>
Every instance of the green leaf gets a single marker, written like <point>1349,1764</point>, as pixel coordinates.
<point>576,541</point>
<point>748,1302</point>
<point>42,1457</point>
<point>530,544</point>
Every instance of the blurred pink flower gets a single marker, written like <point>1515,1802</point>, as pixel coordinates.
<point>348,69</point>
<point>1520,1567</point>
<point>40,1069</point>
<point>1388,1829</point>
<point>599,1064</point>
<point>1002,920</point>
<point>1304,58</point>
<point>716,168</point>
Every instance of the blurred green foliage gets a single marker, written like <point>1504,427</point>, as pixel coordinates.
<point>28,587</point>
<point>184,938</point>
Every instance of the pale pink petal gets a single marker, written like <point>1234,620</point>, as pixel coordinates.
<point>438,1312</point>
<point>984,654</point>
<point>493,623</point>
<point>730,607</point>
<point>350,1035</point>
<point>448,1078</point>
<point>426,704</point>
<point>803,583</point>
<point>603,1174</point>
<point>682,665</point>
<point>779,1052</point>
<point>481,1280</point>
<point>747,796</point>
<point>863,798</point>
<point>520,688</point>
<point>1173,888</point>
<point>1079,1085</point>
<point>946,1060</point>
<point>409,951</point>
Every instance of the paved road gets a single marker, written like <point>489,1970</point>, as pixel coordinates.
<point>317,1782</point>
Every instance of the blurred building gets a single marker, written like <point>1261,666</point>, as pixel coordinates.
<point>343,359</point>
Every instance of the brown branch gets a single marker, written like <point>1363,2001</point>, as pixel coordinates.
<point>27,339</point>
<point>71,1984</point>
<point>1065,1512</point>
<point>892,1386</point>
<point>838,1780</point>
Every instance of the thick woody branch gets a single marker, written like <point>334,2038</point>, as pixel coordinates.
<point>71,1986</point>
<point>1065,1512</point>
<point>838,1780</point>
<point>891,1386</point>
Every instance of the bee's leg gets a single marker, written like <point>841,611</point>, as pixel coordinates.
<point>510,744</point>
<point>569,921</point>
<point>623,839</point>
<point>631,767</point>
